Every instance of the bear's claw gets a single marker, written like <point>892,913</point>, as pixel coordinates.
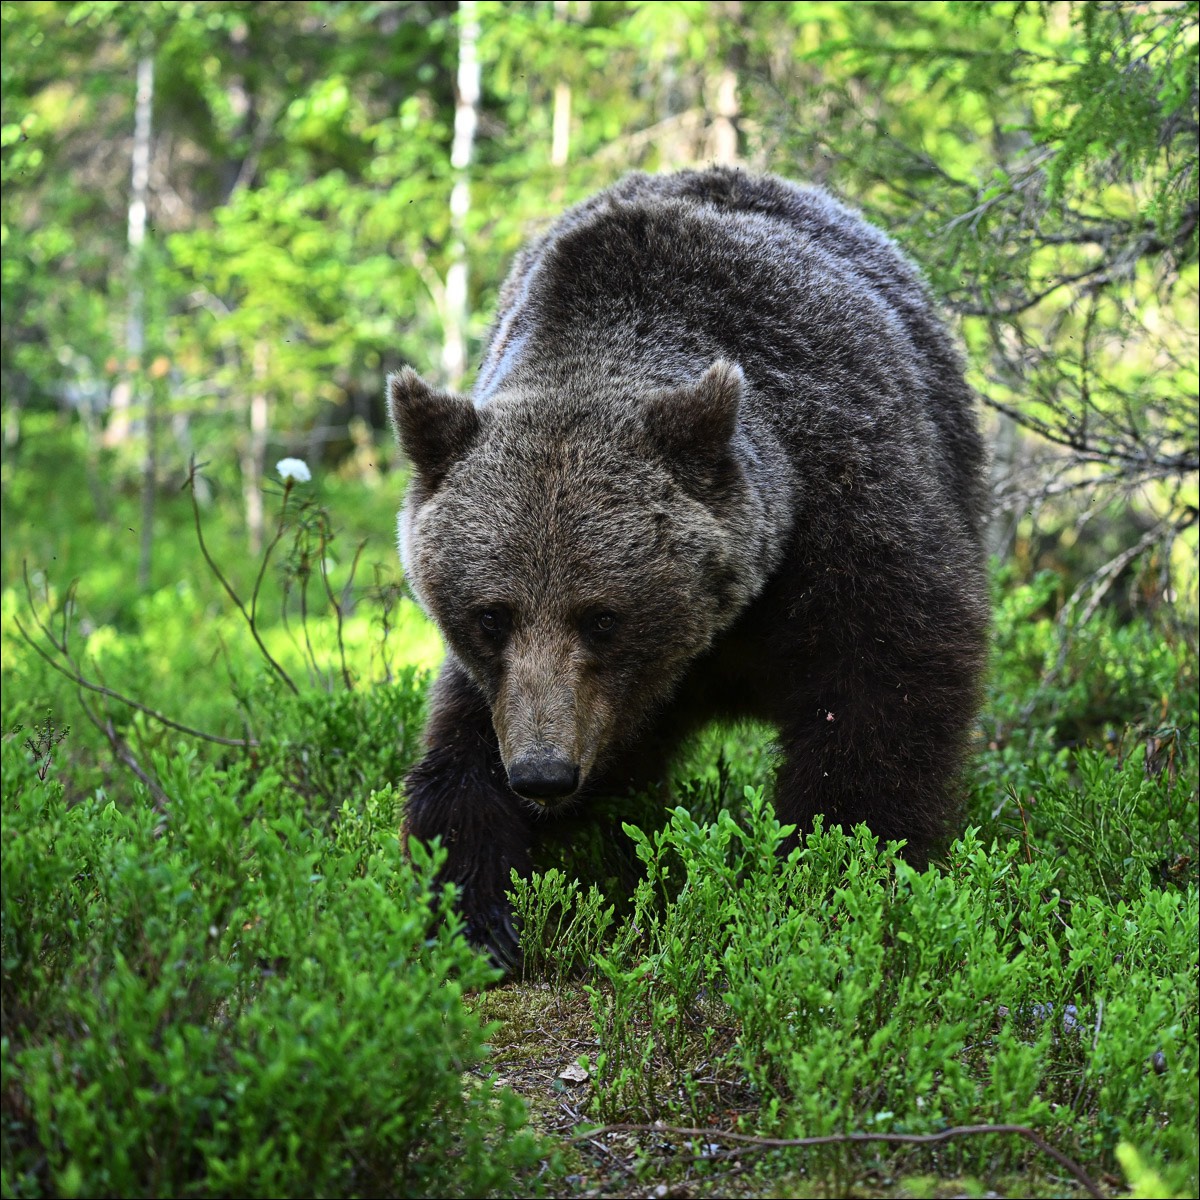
<point>495,931</point>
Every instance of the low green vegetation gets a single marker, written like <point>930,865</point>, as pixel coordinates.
<point>222,976</point>
<point>222,998</point>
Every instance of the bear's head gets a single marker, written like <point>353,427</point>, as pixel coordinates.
<point>577,551</point>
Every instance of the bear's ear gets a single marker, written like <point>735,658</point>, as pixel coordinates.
<point>696,422</point>
<point>434,428</point>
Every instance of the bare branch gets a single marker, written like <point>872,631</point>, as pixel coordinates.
<point>74,673</point>
<point>841,1139</point>
<point>338,606</point>
<point>220,577</point>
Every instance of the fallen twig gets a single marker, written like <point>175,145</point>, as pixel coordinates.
<point>834,1139</point>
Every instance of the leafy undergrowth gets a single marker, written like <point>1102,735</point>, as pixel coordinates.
<point>1043,974</point>
<point>840,991</point>
<point>224,999</point>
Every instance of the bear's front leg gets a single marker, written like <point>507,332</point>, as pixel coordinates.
<point>459,793</point>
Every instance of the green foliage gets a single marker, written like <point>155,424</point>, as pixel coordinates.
<point>850,992</point>
<point>1044,973</point>
<point>561,926</point>
<point>328,613</point>
<point>222,999</point>
<point>245,968</point>
<point>276,114</point>
<point>1040,162</point>
<point>227,979</point>
<point>331,746</point>
<point>1090,746</point>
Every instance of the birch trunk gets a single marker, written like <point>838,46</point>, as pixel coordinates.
<point>123,395</point>
<point>725,120</point>
<point>142,390</point>
<point>723,93</point>
<point>466,120</point>
<point>255,447</point>
<point>560,139</point>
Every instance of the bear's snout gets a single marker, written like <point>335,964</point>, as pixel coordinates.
<point>543,775</point>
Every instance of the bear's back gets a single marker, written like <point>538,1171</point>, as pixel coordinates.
<point>657,276</point>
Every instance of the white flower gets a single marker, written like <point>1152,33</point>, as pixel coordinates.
<point>293,468</point>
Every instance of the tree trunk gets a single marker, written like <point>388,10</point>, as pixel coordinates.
<point>149,488</point>
<point>466,120</point>
<point>123,395</point>
<point>723,93</point>
<point>725,122</point>
<point>255,447</point>
<point>142,389</point>
<point>560,141</point>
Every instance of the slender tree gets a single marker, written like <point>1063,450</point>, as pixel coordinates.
<point>560,146</point>
<point>466,121</point>
<point>123,395</point>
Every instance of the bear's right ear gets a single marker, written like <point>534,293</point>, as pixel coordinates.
<point>695,423</point>
<point>434,428</point>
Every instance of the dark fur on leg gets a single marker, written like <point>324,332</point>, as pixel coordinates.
<point>874,730</point>
<point>459,793</point>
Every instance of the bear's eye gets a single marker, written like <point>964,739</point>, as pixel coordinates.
<point>600,624</point>
<point>493,622</point>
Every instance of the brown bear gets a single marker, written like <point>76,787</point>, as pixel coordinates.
<point>720,462</point>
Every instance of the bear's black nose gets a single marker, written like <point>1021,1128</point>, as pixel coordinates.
<point>543,775</point>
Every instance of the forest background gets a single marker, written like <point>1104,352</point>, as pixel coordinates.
<point>223,224</point>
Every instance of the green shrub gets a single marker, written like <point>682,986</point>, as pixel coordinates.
<point>840,990</point>
<point>221,999</point>
<point>332,746</point>
<point>230,982</point>
<point>1089,748</point>
<point>562,927</point>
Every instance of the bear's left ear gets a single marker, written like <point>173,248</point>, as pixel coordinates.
<point>696,422</point>
<point>434,428</point>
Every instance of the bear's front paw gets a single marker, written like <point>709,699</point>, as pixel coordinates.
<point>492,927</point>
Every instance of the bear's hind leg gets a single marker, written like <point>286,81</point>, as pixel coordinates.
<point>876,739</point>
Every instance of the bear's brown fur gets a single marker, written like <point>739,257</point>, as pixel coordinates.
<point>720,462</point>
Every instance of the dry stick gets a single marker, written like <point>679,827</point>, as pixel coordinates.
<point>80,680</point>
<point>1101,270</point>
<point>835,1139</point>
<point>386,600</point>
<point>306,652</point>
<point>121,749</point>
<point>220,577</point>
<point>1101,581</point>
<point>315,667</point>
<point>100,690</point>
<point>266,558</point>
<point>337,608</point>
<point>1182,462</point>
<point>1016,798</point>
